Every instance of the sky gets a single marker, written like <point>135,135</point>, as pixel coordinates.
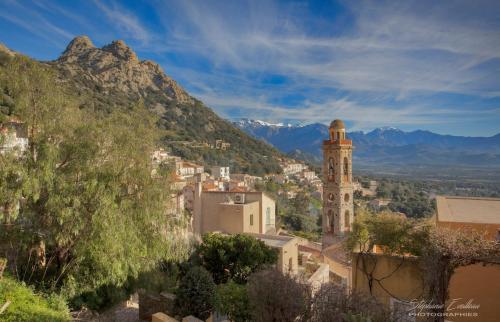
<point>432,65</point>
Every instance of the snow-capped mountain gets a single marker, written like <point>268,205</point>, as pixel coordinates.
<point>384,145</point>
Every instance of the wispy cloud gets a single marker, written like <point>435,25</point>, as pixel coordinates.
<point>126,21</point>
<point>407,63</point>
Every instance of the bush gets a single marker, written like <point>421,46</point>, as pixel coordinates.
<point>27,306</point>
<point>277,297</point>
<point>333,303</point>
<point>233,257</point>
<point>196,293</point>
<point>232,300</point>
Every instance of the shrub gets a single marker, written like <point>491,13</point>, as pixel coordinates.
<point>232,300</point>
<point>196,293</point>
<point>27,306</point>
<point>233,257</point>
<point>277,297</point>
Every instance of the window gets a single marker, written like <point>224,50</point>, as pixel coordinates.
<point>346,170</point>
<point>268,215</point>
<point>331,169</point>
<point>251,219</point>
<point>290,264</point>
<point>346,197</point>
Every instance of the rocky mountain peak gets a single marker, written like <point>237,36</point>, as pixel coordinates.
<point>78,45</point>
<point>117,67</point>
<point>121,50</point>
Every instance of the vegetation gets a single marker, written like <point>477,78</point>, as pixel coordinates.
<point>233,257</point>
<point>196,293</point>
<point>277,297</point>
<point>26,306</point>
<point>333,303</point>
<point>406,198</point>
<point>294,214</point>
<point>89,203</point>
<point>232,300</point>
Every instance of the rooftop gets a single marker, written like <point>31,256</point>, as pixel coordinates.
<point>468,210</point>
<point>275,241</point>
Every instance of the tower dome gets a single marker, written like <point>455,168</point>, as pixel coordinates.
<point>337,125</point>
<point>337,130</point>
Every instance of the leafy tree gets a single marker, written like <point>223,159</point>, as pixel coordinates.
<point>232,300</point>
<point>277,297</point>
<point>89,206</point>
<point>196,293</point>
<point>233,257</point>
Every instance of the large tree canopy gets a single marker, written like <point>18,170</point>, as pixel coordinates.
<point>233,257</point>
<point>80,206</point>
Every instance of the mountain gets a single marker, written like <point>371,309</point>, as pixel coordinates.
<point>113,77</point>
<point>383,146</point>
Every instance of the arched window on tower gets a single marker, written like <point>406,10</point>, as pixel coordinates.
<point>347,221</point>
<point>331,169</point>
<point>346,169</point>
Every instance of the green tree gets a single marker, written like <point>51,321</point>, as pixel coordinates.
<point>233,257</point>
<point>232,300</point>
<point>196,293</point>
<point>91,212</point>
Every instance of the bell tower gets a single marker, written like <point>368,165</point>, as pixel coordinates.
<point>338,209</point>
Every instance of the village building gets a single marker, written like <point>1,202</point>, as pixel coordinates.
<point>379,203</point>
<point>290,168</point>
<point>13,136</point>
<point>469,213</point>
<point>219,172</point>
<point>188,169</point>
<point>402,276</point>
<point>232,212</point>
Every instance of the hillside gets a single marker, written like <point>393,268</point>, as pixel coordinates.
<point>114,77</point>
<point>383,147</point>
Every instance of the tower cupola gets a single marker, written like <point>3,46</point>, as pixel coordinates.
<point>337,130</point>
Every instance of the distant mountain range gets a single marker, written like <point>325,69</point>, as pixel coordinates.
<point>386,146</point>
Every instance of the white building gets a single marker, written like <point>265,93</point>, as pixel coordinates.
<point>13,136</point>
<point>293,168</point>
<point>220,172</point>
<point>188,169</point>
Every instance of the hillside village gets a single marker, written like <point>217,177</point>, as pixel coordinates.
<point>143,225</point>
<point>214,200</point>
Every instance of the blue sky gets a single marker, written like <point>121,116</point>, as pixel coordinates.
<point>410,64</point>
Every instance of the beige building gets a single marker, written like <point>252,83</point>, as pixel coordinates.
<point>401,278</point>
<point>232,212</point>
<point>288,251</point>
<point>379,202</point>
<point>469,213</point>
